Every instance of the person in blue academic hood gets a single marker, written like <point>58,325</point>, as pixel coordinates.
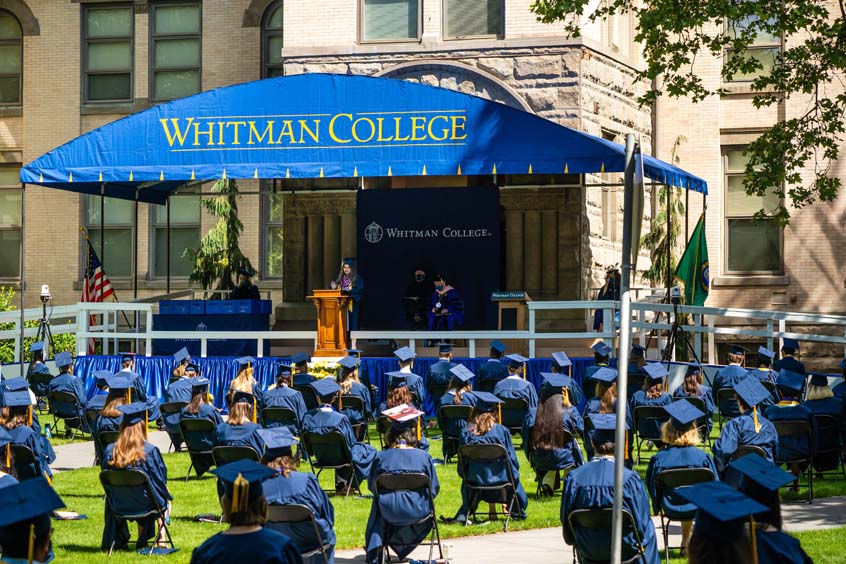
<point>544,428</point>
<point>751,428</point>
<point>681,437</point>
<point>8,475</point>
<point>245,290</point>
<point>591,486</point>
<point>26,530</point>
<point>139,388</point>
<point>447,307</point>
<point>439,375</point>
<point>561,364</point>
<point>182,358</point>
<point>840,389</point>
<point>289,487</point>
<point>67,382</point>
<point>399,394</point>
<point>325,420</point>
<point>493,370</point>
<point>729,376</point>
<point>245,509</point>
<point>760,480</point>
<point>282,394</point>
<point>601,358</point>
<point>724,517</point>
<point>241,429</point>
<point>351,387</point>
<point>37,374</point>
<point>788,360</point>
<point>19,425</point>
<point>790,385</point>
<point>651,395</point>
<point>483,428</point>
<point>244,380</point>
<point>179,390</point>
<point>637,360</point>
<point>101,391</point>
<point>401,510</point>
<point>693,387</point>
<point>415,383</point>
<point>131,451</point>
<point>820,399</point>
<point>351,284</point>
<point>110,417</point>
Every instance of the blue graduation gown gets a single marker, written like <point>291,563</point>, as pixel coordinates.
<point>39,377</point>
<point>639,399</point>
<point>588,382</point>
<point>839,390</point>
<point>454,427</point>
<point>25,436</point>
<point>179,390</point>
<point>69,383</point>
<point>728,377</point>
<point>490,373</point>
<point>492,474</point>
<point>514,387</point>
<point>440,376</point>
<point>104,424</point>
<point>205,411</point>
<point>791,447</point>
<point>400,509</point>
<point>451,301</point>
<point>202,441</point>
<point>358,390</point>
<point>265,546</point>
<point>777,547</point>
<point>239,435</point>
<point>592,487</point>
<point>7,480</point>
<point>559,458</point>
<point>741,431</point>
<point>417,388</point>
<point>302,488</point>
<point>835,407</point>
<point>671,458</point>
<point>789,363</point>
<point>283,396</point>
<point>708,396</point>
<point>325,420</point>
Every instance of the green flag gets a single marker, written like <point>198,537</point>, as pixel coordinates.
<point>693,267</point>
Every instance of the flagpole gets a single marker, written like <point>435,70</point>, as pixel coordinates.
<point>23,282</point>
<point>114,293</point>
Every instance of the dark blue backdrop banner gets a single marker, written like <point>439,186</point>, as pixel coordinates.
<point>232,346</point>
<point>451,231</point>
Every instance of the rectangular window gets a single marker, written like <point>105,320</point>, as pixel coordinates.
<point>273,234</point>
<point>754,246</point>
<point>107,33</point>
<point>184,234</point>
<point>175,50</point>
<point>116,255</point>
<point>10,222</point>
<point>764,48</point>
<point>474,18</point>
<point>390,20</point>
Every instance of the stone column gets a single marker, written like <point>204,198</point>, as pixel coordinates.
<point>348,235</point>
<point>331,245</point>
<point>532,251</point>
<point>514,250</point>
<point>293,257</point>
<point>549,251</point>
<point>314,252</point>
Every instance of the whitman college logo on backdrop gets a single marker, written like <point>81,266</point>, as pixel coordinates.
<point>374,233</point>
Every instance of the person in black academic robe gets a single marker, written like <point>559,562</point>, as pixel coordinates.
<point>350,284</point>
<point>245,290</point>
<point>415,301</point>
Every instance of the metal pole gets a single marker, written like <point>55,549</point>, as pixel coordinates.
<point>623,355</point>
<point>686,219</point>
<point>167,253</point>
<point>23,283</point>
<point>135,252</point>
<point>669,244</point>
<point>102,228</point>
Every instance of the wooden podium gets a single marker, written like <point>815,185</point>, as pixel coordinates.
<point>332,337</point>
<point>512,317</point>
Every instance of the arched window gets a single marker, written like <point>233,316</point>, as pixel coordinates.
<point>11,59</point>
<point>271,41</point>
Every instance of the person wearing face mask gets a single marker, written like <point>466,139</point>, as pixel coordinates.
<point>245,290</point>
<point>447,307</point>
<point>415,301</point>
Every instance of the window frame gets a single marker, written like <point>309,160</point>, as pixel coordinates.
<point>85,40</point>
<point>364,41</point>
<point>12,226</point>
<point>764,46</point>
<point>151,49</point>
<point>269,188</point>
<point>727,216</point>
<point>445,25</point>
<point>19,41</point>
<point>155,225</point>
<point>266,34</point>
<point>96,241</point>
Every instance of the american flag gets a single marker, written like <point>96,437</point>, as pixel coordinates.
<point>97,286</point>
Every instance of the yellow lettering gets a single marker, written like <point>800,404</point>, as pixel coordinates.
<point>287,131</point>
<point>418,124</point>
<point>178,134</point>
<point>355,130</point>
<point>445,130</point>
<point>268,132</point>
<point>220,140</point>
<point>315,135</point>
<point>380,137</point>
<point>334,137</point>
<point>235,125</point>
<point>397,130</point>
<point>209,133</point>
<point>458,123</point>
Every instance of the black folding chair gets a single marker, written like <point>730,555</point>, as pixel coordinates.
<point>226,454</point>
<point>329,452</point>
<point>355,403</point>
<point>137,488</point>
<point>492,456</point>
<point>383,425</point>
<point>567,438</point>
<point>106,438</point>
<point>172,408</point>
<point>727,405</point>
<point>27,466</point>
<point>297,522</point>
<point>309,397</point>
<point>436,391</point>
<point>447,416</point>
<point>198,436</point>
<point>66,407</point>
<point>746,450</point>
<point>668,505</point>
<point>412,482</point>
<point>702,422</point>
<point>280,417</point>
<point>514,412</point>
<point>798,429</point>
<point>829,444</point>
<point>597,523</point>
<point>647,423</point>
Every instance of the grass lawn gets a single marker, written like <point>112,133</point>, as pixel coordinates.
<point>79,541</point>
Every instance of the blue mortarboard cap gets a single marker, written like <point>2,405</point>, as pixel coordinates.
<point>605,374</point>
<point>118,381</point>
<point>561,359</point>
<point>127,356</point>
<point>683,413</point>
<point>64,359</point>
<point>638,350</point>
<point>737,349</point>
<point>277,441</point>
<point>843,364</point>
<point>498,346</point>
<point>655,370</point>
<point>819,380</point>
<point>246,475</point>
<point>243,397</point>
<point>694,369</point>
<point>348,362</point>
<point>790,344</point>
<point>601,348</point>
<point>444,348</point>
<point>486,402</point>
<point>790,380</point>
<point>763,472</point>
<point>723,511</point>
<point>282,369</point>
<point>299,358</point>
<point>751,391</point>
<point>16,384</point>
<point>5,437</point>
<point>764,351</point>
<point>403,417</point>
<point>181,354</point>
<point>516,360</point>
<point>397,379</point>
<point>36,346</point>
<point>462,372</point>
<point>404,354</point>
<point>325,388</point>
<point>133,413</point>
<point>555,380</point>
<point>199,384</point>
<point>191,367</point>
<point>17,399</point>
<point>27,500</point>
<point>102,377</point>
<point>245,360</point>
<point>355,352</point>
<point>604,427</point>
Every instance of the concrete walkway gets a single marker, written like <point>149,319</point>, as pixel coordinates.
<point>81,454</point>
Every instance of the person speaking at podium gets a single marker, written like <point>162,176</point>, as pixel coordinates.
<point>351,284</point>
<point>447,307</point>
<point>245,290</point>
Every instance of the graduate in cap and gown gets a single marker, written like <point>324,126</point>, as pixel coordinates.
<point>493,370</point>
<point>763,372</point>
<point>244,380</point>
<point>179,390</point>
<point>299,364</point>
<point>245,509</point>
<point>601,359</point>
<point>637,360</point>
<point>139,388</point>
<point>38,375</point>
<point>439,375</point>
<point>325,420</point>
<point>287,486</point>
<point>131,451</point>
<point>415,383</point>
<point>350,284</point>
<point>447,307</point>
<point>652,394</point>
<point>181,357</point>
<point>399,395</point>
<point>790,385</point>
<point>840,389</point>
<point>402,510</point>
<point>729,376</point>
<point>681,438</point>
<point>604,399</point>
<point>67,382</point>
<point>283,395</point>
<point>459,392</point>
<point>820,399</point>
<point>101,391</point>
<point>200,407</point>
<point>788,361</point>
<point>21,385</point>
<point>110,418</point>
<point>245,290</point>
<point>515,386</point>
<point>8,475</point>
<point>25,527</point>
<point>750,428</point>
<point>351,386</point>
<point>591,486</point>
<point>561,364</point>
<point>19,426</point>
<point>693,387</point>
<point>241,429</point>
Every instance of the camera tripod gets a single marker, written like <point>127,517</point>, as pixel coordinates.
<point>677,335</point>
<point>44,333</point>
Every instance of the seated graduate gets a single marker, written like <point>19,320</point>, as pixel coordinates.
<point>637,360</point>
<point>299,365</point>
<point>840,389</point>
<point>283,395</point>
<point>67,382</point>
<point>8,475</point>
<point>181,358</point>
<point>760,480</point>
<point>37,374</point>
<point>111,417</point>
<point>18,424</point>
<point>764,373</point>
<point>652,394</point>
<point>751,428</point>
<point>494,369</point>
<point>483,428</point>
<point>21,385</point>
<point>515,386</point>
<point>351,386</point>
<point>101,391</point>
<point>729,376</point>
<point>447,307</point>
<point>561,364</point>
<point>591,486</point>
<point>179,390</point>
<point>820,400</point>
<point>721,531</point>
<point>400,510</point>
<point>788,360</point>
<point>139,388</point>
<point>604,398</point>
<point>25,527</point>
<point>241,429</point>
<point>245,509</point>
<point>439,373</point>
<point>290,487</point>
<point>131,451</point>
<point>325,420</point>
<point>693,387</point>
<point>400,395</point>
<point>199,406</point>
<point>601,358</point>
<point>790,386</point>
<point>545,447</point>
<point>244,381</point>
<point>245,289</point>
<point>459,393</point>
<point>681,438</point>
<point>415,383</point>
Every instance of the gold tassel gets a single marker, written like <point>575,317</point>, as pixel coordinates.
<point>564,396</point>
<point>240,493</point>
<point>524,372</point>
<point>626,444</point>
<point>255,415</point>
<point>9,457</point>
<point>340,402</point>
<point>30,549</point>
<point>350,306</point>
<point>754,541</point>
<point>755,419</point>
<point>29,417</point>
<point>499,412</point>
<point>419,433</point>
<point>570,371</point>
<point>128,396</point>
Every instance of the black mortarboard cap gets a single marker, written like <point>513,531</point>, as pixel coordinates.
<point>249,273</point>
<point>127,356</point>
<point>181,354</point>
<point>278,441</point>
<point>63,359</point>
<point>355,352</point>
<point>404,354</point>
<point>27,500</point>
<point>694,369</point>
<point>763,472</point>
<point>243,397</point>
<point>462,372</point>
<point>788,380</point>
<point>199,385</point>
<point>486,402</point>
<point>444,348</point>
<point>819,380</point>
<point>133,413</point>
<point>638,350</point>
<point>397,379</point>
<point>751,391</point>
<point>601,348</point>
<point>723,511</point>
<point>561,359</point>
<point>498,346</point>
<point>788,343</point>
<point>325,388</point>
<point>655,371</point>
<point>682,414</point>
<point>737,349</point>
<point>299,358</point>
